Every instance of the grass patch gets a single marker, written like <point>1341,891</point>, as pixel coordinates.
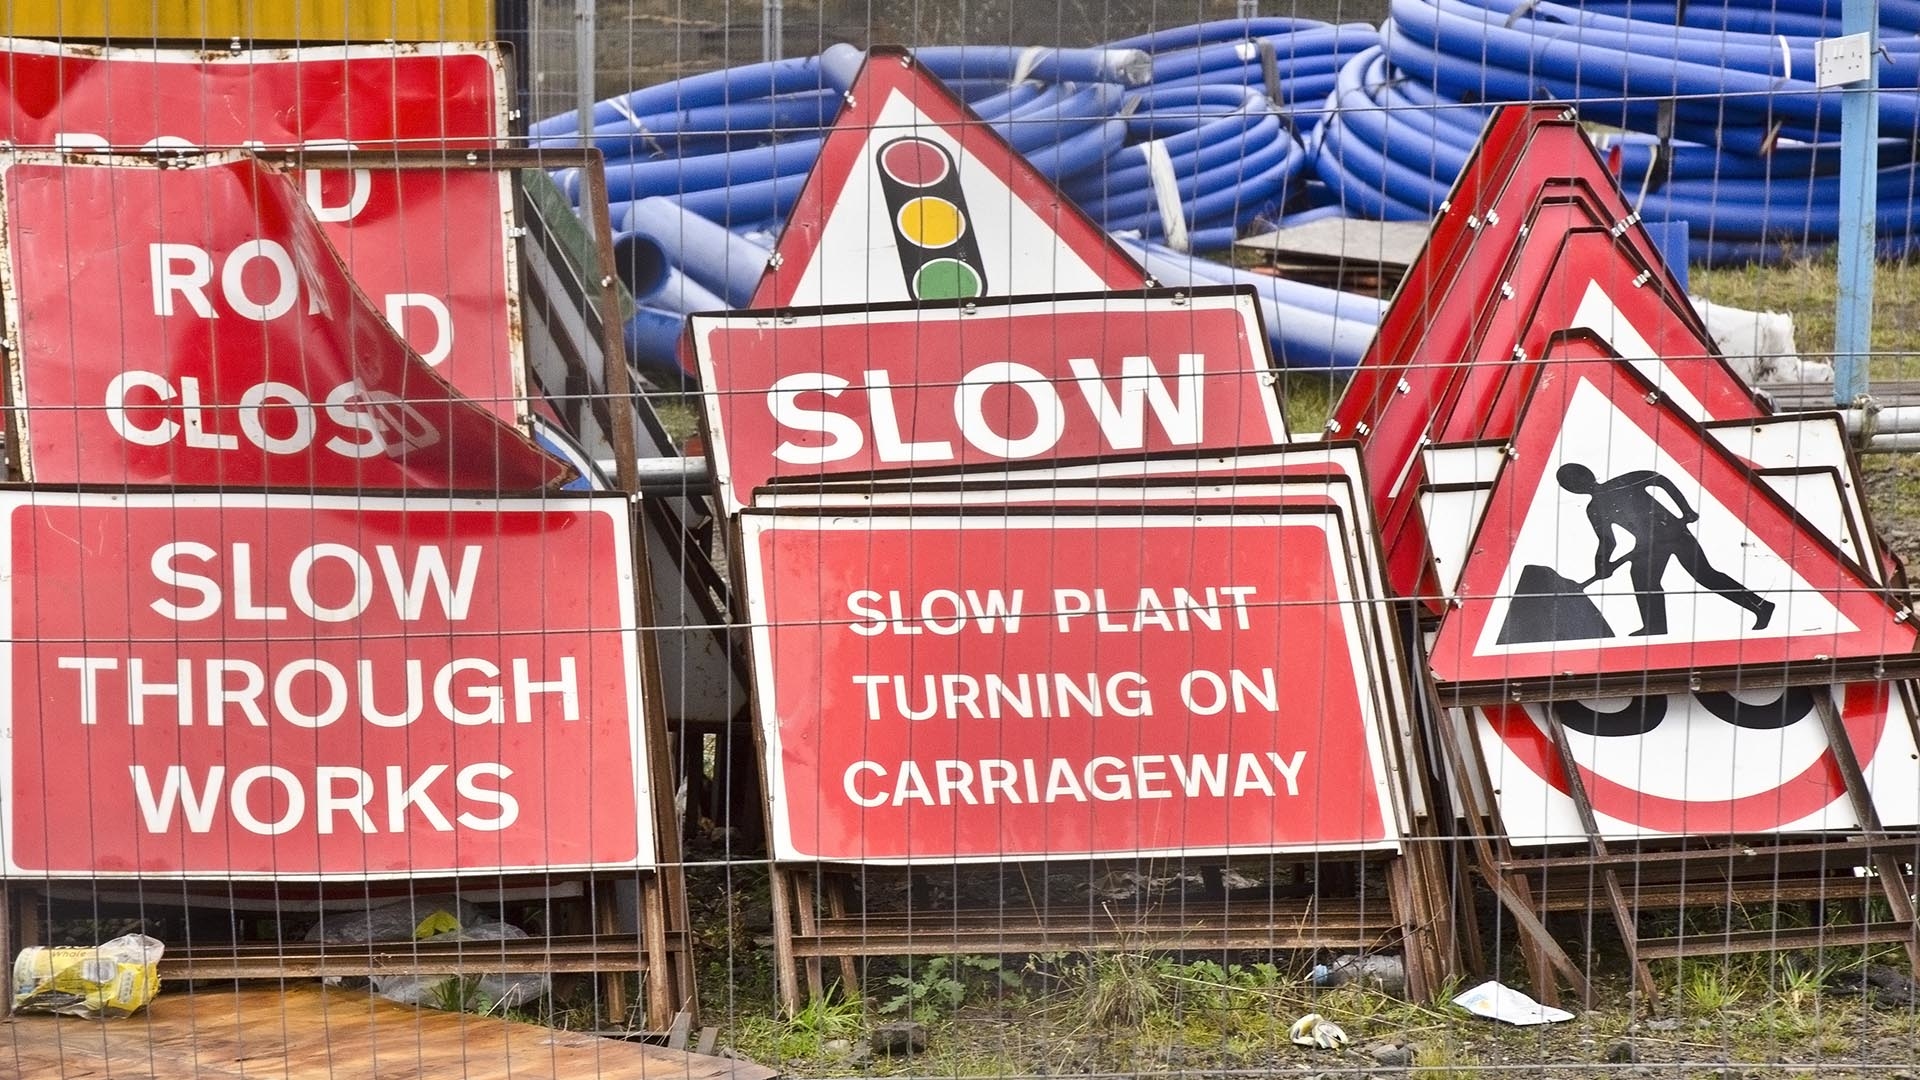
<point>1808,290</point>
<point>803,1038</point>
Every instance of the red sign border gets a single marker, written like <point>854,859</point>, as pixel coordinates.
<point>1531,748</point>
<point>892,68</point>
<point>1479,579</point>
<point>1138,480</point>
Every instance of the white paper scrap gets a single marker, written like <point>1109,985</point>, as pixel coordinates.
<point>1505,1004</point>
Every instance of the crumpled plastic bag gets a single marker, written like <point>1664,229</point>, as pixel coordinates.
<point>494,990</point>
<point>117,978</point>
<point>406,919</point>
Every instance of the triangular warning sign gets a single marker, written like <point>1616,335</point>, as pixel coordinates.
<point>916,198</point>
<point>1623,540</point>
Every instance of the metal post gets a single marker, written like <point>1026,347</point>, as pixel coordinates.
<point>583,65</point>
<point>1859,193</point>
<point>1247,9</point>
<point>773,30</point>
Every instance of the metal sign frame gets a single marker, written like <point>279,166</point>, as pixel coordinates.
<point>1420,908</point>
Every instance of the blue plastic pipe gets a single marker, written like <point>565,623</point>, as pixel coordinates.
<point>722,262</point>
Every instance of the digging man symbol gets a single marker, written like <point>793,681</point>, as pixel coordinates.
<point>1630,503</point>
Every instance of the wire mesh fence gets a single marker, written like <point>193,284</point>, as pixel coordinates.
<point>915,538</point>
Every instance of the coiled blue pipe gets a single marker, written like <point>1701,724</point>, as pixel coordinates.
<point>725,87</point>
<point>1398,140</point>
<point>1373,121</point>
<point>1307,327</point>
<point>1119,65</point>
<point>652,338</point>
<point>1186,37</point>
<point>1754,81</point>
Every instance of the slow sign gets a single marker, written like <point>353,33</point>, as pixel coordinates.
<point>319,686</point>
<point>841,391</point>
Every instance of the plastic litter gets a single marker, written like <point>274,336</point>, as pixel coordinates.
<point>436,918</point>
<point>1383,972</point>
<point>493,990</point>
<point>1317,1031</point>
<point>117,978</point>
<point>1509,1006</point>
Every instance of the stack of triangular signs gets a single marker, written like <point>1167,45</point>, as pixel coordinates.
<point>1610,537</point>
<point>1536,238</point>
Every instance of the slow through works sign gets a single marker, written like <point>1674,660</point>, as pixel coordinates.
<point>1022,684</point>
<point>301,687</point>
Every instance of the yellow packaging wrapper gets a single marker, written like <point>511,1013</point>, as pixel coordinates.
<point>114,979</point>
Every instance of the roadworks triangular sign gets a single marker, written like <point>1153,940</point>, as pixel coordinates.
<point>916,198</point>
<point>1621,540</point>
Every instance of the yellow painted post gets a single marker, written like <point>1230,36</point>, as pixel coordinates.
<point>216,22</point>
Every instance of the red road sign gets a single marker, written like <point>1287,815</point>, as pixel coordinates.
<point>1622,540</point>
<point>915,198</point>
<point>429,247</point>
<point>1711,764</point>
<point>320,686</point>
<point>1020,684</point>
<point>857,389</point>
<point>1318,473</point>
<point>190,325</point>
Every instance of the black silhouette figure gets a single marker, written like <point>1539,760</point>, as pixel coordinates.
<point>1659,537</point>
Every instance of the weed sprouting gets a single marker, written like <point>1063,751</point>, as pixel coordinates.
<point>1122,989</point>
<point>939,985</point>
<point>1708,990</point>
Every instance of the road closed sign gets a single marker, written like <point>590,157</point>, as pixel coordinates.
<point>265,686</point>
<point>1021,684</point>
<point>844,391</point>
<point>429,246</point>
<point>189,324</point>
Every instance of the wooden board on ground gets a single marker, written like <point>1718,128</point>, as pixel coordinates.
<point>305,1030</point>
<point>1387,246</point>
